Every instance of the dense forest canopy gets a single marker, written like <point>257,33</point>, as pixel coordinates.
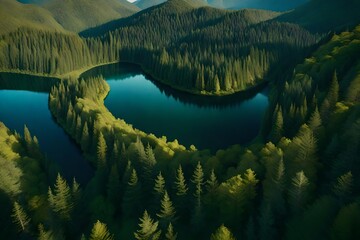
<point>299,180</point>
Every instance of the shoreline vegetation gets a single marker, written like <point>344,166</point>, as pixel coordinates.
<point>78,72</point>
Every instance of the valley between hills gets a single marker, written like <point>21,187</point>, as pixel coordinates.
<point>179,119</point>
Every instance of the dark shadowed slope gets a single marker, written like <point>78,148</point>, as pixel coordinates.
<point>14,15</point>
<point>325,15</point>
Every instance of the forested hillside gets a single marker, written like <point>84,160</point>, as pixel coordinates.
<point>50,53</point>
<point>14,15</point>
<point>223,52</point>
<point>304,179</point>
<point>78,15</point>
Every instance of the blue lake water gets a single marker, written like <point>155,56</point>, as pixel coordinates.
<point>207,122</point>
<point>30,107</point>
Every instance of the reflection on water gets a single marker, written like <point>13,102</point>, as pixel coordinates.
<point>27,103</point>
<point>206,122</point>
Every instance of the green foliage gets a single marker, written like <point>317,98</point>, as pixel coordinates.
<point>222,233</point>
<point>159,187</point>
<point>198,180</point>
<point>20,217</point>
<point>61,198</point>
<point>101,151</point>
<point>346,224</point>
<point>148,228</point>
<point>180,184</point>
<point>299,191</point>
<point>344,186</point>
<point>45,235</point>
<point>170,234</point>
<point>100,232</point>
<point>167,212</point>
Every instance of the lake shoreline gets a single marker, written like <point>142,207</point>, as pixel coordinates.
<point>77,74</point>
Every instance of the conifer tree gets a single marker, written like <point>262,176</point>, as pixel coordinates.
<point>212,183</point>
<point>198,180</point>
<point>170,234</point>
<point>85,138</point>
<point>299,191</point>
<point>101,151</point>
<point>167,212</point>
<point>159,187</point>
<point>61,200</point>
<point>45,235</point>
<point>148,228</point>
<point>20,217</point>
<point>180,184</point>
<point>222,233</point>
<point>100,232</point>
<point>344,185</point>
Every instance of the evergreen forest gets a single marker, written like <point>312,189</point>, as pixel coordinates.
<point>298,179</point>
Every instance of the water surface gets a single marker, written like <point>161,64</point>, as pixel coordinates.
<point>207,122</point>
<point>29,105</point>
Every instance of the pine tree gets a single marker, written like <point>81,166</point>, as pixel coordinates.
<point>150,156</point>
<point>148,229</point>
<point>170,234</point>
<point>167,212</point>
<point>277,131</point>
<point>198,180</point>
<point>315,120</point>
<point>132,200</point>
<point>299,191</point>
<point>101,151</point>
<point>180,184</point>
<point>159,187</point>
<point>85,138</point>
<point>61,201</point>
<point>222,233</point>
<point>212,183</point>
<point>45,235</point>
<point>20,217</point>
<point>100,232</point>
<point>343,187</point>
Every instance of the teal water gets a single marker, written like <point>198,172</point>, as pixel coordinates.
<point>207,122</point>
<point>30,107</point>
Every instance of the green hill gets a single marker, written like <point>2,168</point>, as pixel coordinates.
<point>325,15</point>
<point>274,5</point>
<point>14,15</point>
<point>77,15</point>
<point>203,49</point>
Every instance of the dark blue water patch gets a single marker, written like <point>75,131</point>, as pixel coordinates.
<point>20,107</point>
<point>207,122</point>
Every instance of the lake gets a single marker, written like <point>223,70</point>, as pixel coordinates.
<point>207,122</point>
<point>24,100</point>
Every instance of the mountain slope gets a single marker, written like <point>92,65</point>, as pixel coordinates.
<point>274,5</point>
<point>77,15</point>
<point>14,15</point>
<point>143,4</point>
<point>325,15</point>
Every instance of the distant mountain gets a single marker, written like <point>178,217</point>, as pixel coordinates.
<point>274,5</point>
<point>77,15</point>
<point>15,14</point>
<point>143,4</point>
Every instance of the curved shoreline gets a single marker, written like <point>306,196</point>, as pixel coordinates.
<point>77,74</point>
